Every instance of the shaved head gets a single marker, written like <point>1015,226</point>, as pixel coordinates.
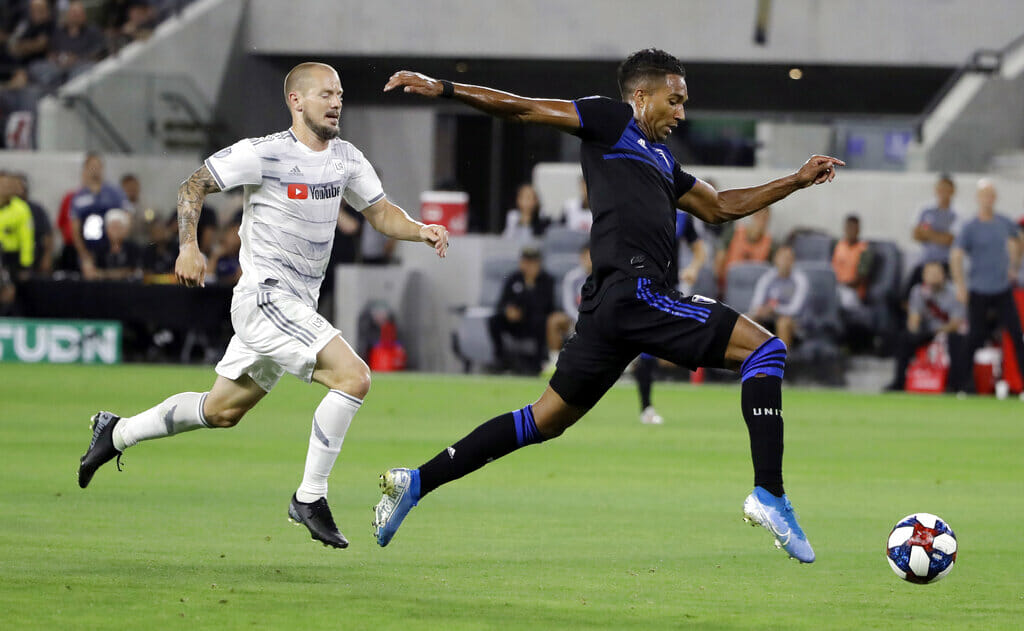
<point>300,78</point>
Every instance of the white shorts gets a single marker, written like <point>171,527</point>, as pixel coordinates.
<point>275,333</point>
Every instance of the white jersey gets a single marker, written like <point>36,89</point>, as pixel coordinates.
<point>291,201</point>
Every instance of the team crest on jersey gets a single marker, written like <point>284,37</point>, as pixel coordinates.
<point>704,300</point>
<point>339,165</point>
<point>318,323</point>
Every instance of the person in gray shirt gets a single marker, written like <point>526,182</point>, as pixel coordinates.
<point>933,310</point>
<point>780,295</point>
<point>935,229</point>
<point>992,243</point>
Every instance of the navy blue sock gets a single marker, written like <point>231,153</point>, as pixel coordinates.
<point>497,437</point>
<point>761,401</point>
<point>644,375</point>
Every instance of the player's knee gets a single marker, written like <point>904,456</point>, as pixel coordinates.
<point>224,418</point>
<point>768,359</point>
<point>355,382</point>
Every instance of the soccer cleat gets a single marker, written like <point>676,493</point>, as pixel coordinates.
<point>776,514</point>
<point>316,516</point>
<point>650,416</point>
<point>401,489</point>
<point>101,448</point>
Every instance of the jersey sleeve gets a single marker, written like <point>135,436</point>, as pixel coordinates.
<point>916,302</point>
<point>682,181</point>
<point>363,187</point>
<point>601,118</point>
<point>236,165</point>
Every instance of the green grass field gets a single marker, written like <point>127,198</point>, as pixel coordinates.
<point>615,525</point>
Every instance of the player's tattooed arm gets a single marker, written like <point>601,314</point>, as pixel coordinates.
<point>190,268</point>
<point>191,195</point>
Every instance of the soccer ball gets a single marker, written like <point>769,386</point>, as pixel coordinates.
<point>921,548</point>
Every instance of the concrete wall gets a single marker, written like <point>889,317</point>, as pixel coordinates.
<point>908,32</point>
<point>193,49</point>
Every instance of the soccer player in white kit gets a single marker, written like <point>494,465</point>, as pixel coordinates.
<point>294,182</point>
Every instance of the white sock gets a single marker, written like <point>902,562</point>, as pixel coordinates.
<point>330,422</point>
<point>179,413</point>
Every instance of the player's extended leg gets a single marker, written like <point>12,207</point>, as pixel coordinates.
<point>223,406</point>
<point>500,436</point>
<point>348,380</point>
<point>761,359</point>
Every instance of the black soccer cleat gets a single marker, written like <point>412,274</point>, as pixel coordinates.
<point>317,517</point>
<point>101,448</point>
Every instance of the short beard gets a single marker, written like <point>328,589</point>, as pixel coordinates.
<point>323,132</point>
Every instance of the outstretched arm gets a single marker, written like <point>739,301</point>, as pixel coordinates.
<point>555,112</point>
<point>190,268</point>
<point>392,221</point>
<point>717,207</point>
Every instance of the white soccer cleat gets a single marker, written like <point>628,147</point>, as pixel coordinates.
<point>650,416</point>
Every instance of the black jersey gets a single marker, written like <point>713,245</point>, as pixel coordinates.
<point>633,184</point>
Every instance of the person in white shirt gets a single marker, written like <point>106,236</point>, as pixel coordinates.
<point>576,211</point>
<point>293,183</point>
<point>524,223</point>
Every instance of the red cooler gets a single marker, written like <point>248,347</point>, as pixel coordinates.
<point>448,208</point>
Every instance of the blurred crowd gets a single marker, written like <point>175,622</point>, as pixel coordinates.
<point>815,290</point>
<point>44,43</point>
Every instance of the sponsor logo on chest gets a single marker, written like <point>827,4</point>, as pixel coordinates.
<point>313,191</point>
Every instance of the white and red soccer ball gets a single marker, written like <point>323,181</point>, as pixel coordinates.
<point>921,548</point>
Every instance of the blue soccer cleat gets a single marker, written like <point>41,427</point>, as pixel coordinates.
<point>761,508</point>
<point>401,489</point>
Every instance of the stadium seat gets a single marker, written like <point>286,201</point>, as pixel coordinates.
<point>884,290</point>
<point>741,281</point>
<point>811,245</point>
<point>562,240</point>
<point>471,341</point>
<point>821,326</point>
<point>495,270</point>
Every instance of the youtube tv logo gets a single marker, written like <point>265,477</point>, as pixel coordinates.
<point>298,191</point>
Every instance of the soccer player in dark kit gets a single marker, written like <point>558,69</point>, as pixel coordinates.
<point>629,306</point>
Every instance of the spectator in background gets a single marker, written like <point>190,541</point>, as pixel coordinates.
<point>527,299</point>
<point>561,323</point>
<point>749,241</point>
<point>88,208</point>
<point>130,21</point>
<point>934,229</point>
<point>992,243</point>
<point>17,244</point>
<point>33,35</point>
<point>933,310</point>
<point>224,263</point>
<point>132,190</point>
<point>42,230</point>
<point>524,222</point>
<point>780,296</point>
<point>120,258</point>
<point>159,253</point>
<point>76,45</point>
<point>576,213</point>
<point>851,262</point>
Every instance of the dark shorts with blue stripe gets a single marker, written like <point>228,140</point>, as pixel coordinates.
<point>639,315</point>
